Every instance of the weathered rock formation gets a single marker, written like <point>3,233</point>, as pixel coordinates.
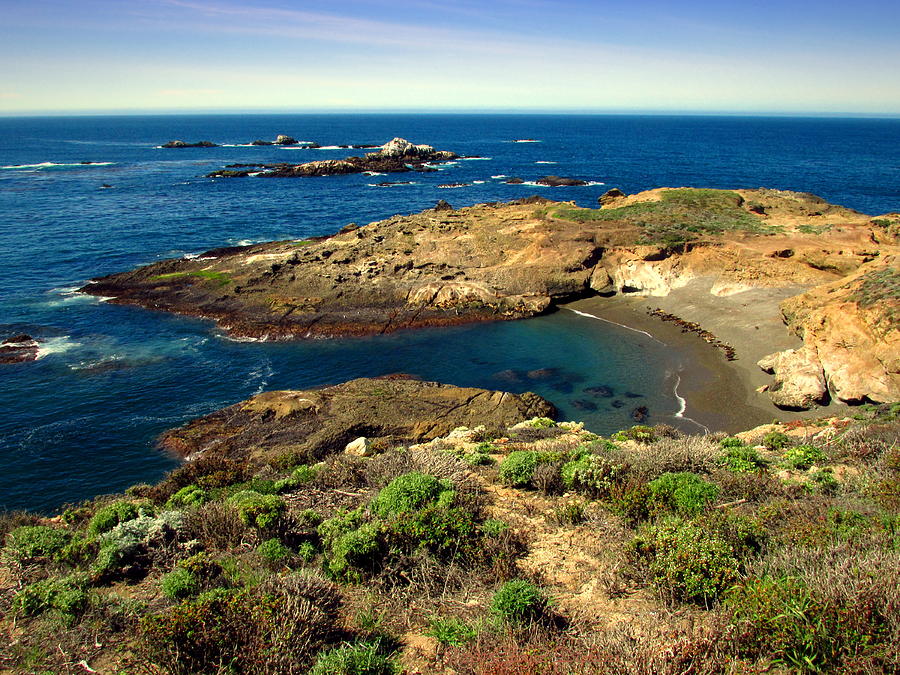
<point>395,156</point>
<point>307,425</point>
<point>283,139</point>
<point>18,349</point>
<point>515,260</point>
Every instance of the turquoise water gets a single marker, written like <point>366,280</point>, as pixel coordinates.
<point>82,419</point>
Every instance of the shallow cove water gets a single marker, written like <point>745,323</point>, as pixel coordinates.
<point>82,419</point>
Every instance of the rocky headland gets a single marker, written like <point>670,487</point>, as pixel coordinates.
<point>518,259</point>
<point>395,156</point>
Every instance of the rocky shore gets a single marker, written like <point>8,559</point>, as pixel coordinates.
<point>18,349</point>
<point>518,259</point>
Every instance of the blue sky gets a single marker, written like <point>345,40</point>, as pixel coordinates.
<point>169,55</point>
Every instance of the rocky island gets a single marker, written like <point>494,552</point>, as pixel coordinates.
<point>514,260</point>
<point>395,156</point>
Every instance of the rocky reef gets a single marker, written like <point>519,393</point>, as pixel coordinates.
<point>518,259</point>
<point>18,349</point>
<point>184,144</point>
<point>395,156</point>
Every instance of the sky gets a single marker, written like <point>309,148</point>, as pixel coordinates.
<point>787,56</point>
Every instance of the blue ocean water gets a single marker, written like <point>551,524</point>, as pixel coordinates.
<point>82,419</point>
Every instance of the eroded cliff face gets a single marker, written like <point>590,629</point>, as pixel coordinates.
<point>515,260</point>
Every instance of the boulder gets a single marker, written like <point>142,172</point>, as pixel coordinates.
<point>261,142</point>
<point>514,181</point>
<point>799,378</point>
<point>360,447</point>
<point>283,139</point>
<point>355,416</point>
<point>400,147</point>
<point>610,196</point>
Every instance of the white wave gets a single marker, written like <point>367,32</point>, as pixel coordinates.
<point>526,140</point>
<point>542,161</point>
<point>392,184</point>
<point>475,159</point>
<point>499,176</point>
<point>532,183</point>
<point>478,182</point>
<point>253,174</point>
<point>238,145</point>
<point>373,173</point>
<point>682,406</point>
<point>600,318</point>
<point>302,145</point>
<point>330,147</point>
<point>68,295</point>
<point>595,182</point>
<point>50,165</point>
<point>56,345</point>
<point>452,187</point>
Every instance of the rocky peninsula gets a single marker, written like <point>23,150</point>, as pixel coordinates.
<point>514,260</point>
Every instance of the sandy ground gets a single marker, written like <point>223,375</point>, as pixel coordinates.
<point>720,394</point>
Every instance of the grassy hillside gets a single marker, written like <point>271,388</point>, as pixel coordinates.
<point>548,550</point>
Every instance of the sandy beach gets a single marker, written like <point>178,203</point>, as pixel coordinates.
<point>719,394</point>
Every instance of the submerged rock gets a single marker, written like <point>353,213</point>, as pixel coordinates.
<point>308,425</point>
<point>18,349</point>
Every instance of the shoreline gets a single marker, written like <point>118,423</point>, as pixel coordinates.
<point>718,393</point>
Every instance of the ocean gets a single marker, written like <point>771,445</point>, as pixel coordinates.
<point>82,419</point>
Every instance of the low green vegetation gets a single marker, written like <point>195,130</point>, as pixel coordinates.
<point>774,552</point>
<point>217,278</point>
<point>679,216</point>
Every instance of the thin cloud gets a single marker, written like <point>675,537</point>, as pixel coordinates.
<point>190,92</point>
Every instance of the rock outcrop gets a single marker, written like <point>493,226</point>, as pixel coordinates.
<point>396,156</point>
<point>386,412</point>
<point>283,139</point>
<point>799,380</point>
<point>18,349</point>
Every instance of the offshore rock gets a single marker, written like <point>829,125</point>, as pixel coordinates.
<point>183,144</point>
<point>308,425</point>
<point>283,139</point>
<point>559,181</point>
<point>18,349</point>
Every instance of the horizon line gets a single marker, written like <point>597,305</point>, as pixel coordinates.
<point>125,112</point>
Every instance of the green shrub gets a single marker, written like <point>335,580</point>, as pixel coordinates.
<point>825,482</point>
<point>803,456</point>
<point>410,492</point>
<point>781,618</point>
<point>306,551</point>
<point>639,433</point>
<point>451,631</point>
<point>741,459</point>
<point>478,459</point>
<point>441,531</point>
<point>517,469</point>
<point>351,545</point>
<point>180,583</point>
<point>189,495</point>
<point>732,442</point>
<point>569,513</point>
<point>541,422</point>
<point>685,561</point>
<point>775,440</point>
<point>518,601</point>
<point>123,548</point>
<point>299,476</point>
<point>30,542</point>
<point>112,514</point>
<point>273,551</point>
<point>493,528</point>
<point>262,511</point>
<point>360,658</point>
<point>593,474</point>
<point>685,492</point>
<point>632,503</point>
<point>66,595</point>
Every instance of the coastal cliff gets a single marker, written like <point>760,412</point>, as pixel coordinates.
<point>515,260</point>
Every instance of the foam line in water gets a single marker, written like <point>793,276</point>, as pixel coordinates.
<point>600,318</point>
<point>56,345</point>
<point>50,165</point>
<point>682,406</point>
